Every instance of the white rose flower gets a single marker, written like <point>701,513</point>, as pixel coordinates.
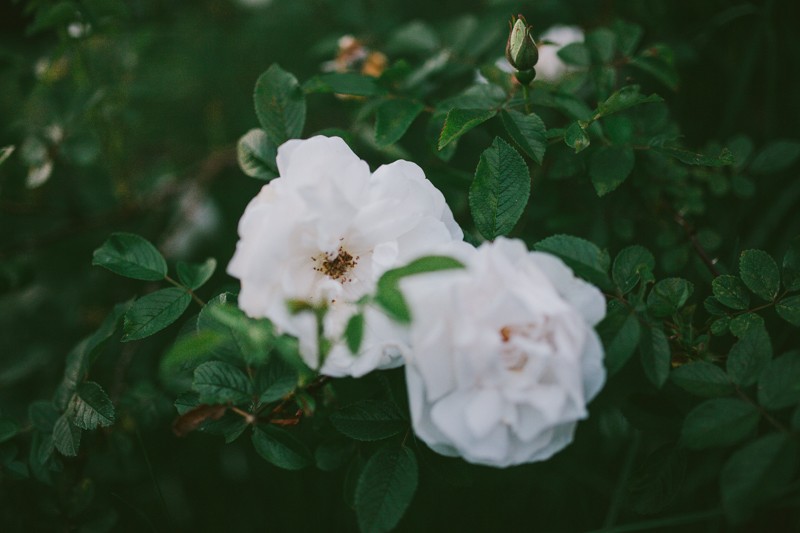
<point>324,232</point>
<point>504,357</point>
<point>550,67</point>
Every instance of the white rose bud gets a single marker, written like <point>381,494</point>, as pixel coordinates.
<point>323,233</point>
<point>505,357</point>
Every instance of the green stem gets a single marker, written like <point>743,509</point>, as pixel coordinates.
<point>525,95</point>
<point>194,296</point>
<point>622,483</point>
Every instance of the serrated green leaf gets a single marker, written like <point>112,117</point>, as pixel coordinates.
<point>741,324</point>
<point>623,99</point>
<point>775,157</point>
<point>756,473</point>
<point>195,275</point>
<point>354,332</point>
<point>576,138</point>
<point>668,296</point>
<point>131,256</point>
<point>527,131</point>
<point>576,54</point>
<point>280,105</point>
<point>369,420</point>
<point>385,489</point>
<point>583,257</point>
<point>631,265</point>
<point>153,312</point>
<point>656,356</point>
<point>720,326</point>
<point>460,121</point>
<point>724,158</point>
<point>749,356</point>
<point>703,379</point>
<point>791,266</point>
<point>499,193</point>
<point>779,383</point>
<point>789,309</point>
<point>719,422</point>
<point>759,272</point>
<point>393,118</point>
<point>388,294</point>
<point>91,407</point>
<point>218,382</point>
<point>730,291</point>
<point>714,307</point>
<point>256,154</point>
<point>275,380</point>
<point>610,166</point>
<point>281,448</point>
<point>66,436</point>
<point>343,83</point>
<point>620,332</point>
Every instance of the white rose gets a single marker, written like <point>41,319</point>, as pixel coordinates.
<point>324,231</point>
<point>505,357</point>
<point>550,67</point>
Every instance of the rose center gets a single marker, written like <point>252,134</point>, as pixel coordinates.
<point>336,265</point>
<point>518,340</point>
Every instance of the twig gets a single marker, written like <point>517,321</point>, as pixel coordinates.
<point>701,252</point>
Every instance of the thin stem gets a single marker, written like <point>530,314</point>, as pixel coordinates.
<point>194,296</point>
<point>153,476</point>
<point>622,483</point>
<point>772,420</point>
<point>527,100</point>
<point>701,252</point>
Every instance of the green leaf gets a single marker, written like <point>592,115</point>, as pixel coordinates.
<point>730,291</point>
<point>280,105</point>
<point>757,473</point>
<point>218,382</point>
<point>724,158</point>
<point>8,429</point>
<point>789,309</point>
<point>528,131</point>
<point>499,193</point>
<point>609,166</point>
<point>222,317</point>
<point>779,383</point>
<point>714,307</point>
<point>332,454</point>
<point>740,324</point>
<point>719,422</point>
<point>5,153</point>
<point>195,275</point>
<point>776,157</point>
<point>703,379</point>
<point>256,155</point>
<point>131,256</point>
<point>43,415</point>
<point>275,380</point>
<point>760,273</point>
<point>632,265</point>
<point>720,326</point>
<point>343,83</point>
<point>91,407</point>
<point>791,266</point>
<point>657,61</point>
<point>628,36</point>
<point>623,99</point>
<point>388,294</point>
<point>620,332</point>
<point>188,352</point>
<point>749,356</point>
<point>154,312</point>
<point>576,137</point>
<point>385,489</point>
<point>354,332</point>
<point>656,355</point>
<point>393,118</point>
<point>460,121</point>
<point>601,43</point>
<point>583,257</point>
<point>281,448</point>
<point>668,296</point>
<point>369,420</point>
<point>575,54</point>
<point>66,436</point>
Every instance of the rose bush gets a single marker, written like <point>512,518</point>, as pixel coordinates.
<point>504,357</point>
<point>323,233</point>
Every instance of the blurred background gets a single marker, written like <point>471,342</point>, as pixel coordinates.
<point>124,116</point>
